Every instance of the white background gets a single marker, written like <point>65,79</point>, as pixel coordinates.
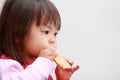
<point>90,36</point>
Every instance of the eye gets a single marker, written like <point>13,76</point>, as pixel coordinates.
<point>46,32</point>
<point>55,34</point>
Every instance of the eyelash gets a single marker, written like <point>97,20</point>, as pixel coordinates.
<point>55,34</point>
<point>47,32</point>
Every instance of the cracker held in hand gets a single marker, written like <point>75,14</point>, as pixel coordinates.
<point>60,60</point>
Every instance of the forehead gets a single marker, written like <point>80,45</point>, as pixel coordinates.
<point>50,27</point>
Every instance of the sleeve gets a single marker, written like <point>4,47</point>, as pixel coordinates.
<point>39,70</point>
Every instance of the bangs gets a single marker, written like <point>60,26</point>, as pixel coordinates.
<point>47,14</point>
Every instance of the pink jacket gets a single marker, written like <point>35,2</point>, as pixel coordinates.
<point>40,69</point>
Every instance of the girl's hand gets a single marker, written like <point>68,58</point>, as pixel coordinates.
<point>49,53</point>
<point>65,74</point>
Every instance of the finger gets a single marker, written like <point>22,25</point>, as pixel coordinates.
<point>70,62</point>
<point>50,51</point>
<point>53,54</point>
<point>76,68</point>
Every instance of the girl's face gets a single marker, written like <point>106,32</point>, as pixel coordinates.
<point>40,38</point>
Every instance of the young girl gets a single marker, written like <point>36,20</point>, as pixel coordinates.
<point>28,30</point>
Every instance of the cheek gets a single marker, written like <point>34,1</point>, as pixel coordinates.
<point>34,46</point>
<point>43,44</point>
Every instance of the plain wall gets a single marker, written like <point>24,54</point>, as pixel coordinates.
<point>90,36</point>
<point>1,4</point>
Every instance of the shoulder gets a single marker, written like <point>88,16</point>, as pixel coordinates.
<point>9,65</point>
<point>11,69</point>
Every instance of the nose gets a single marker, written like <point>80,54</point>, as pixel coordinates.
<point>52,40</point>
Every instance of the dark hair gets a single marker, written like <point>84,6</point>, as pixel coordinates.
<point>15,22</point>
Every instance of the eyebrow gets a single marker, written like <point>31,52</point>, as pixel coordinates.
<point>51,27</point>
